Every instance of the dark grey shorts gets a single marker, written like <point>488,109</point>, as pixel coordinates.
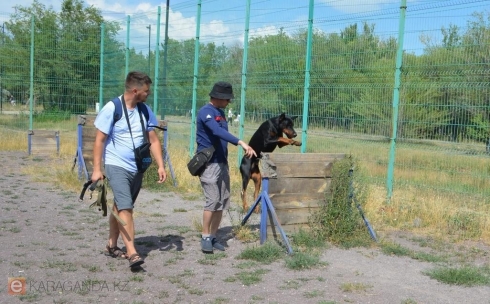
<point>125,186</point>
<point>215,182</point>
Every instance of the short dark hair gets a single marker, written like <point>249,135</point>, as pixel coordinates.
<point>137,79</point>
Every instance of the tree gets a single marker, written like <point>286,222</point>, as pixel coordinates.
<point>67,53</point>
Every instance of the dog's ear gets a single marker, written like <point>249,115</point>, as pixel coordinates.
<point>294,117</point>
<point>282,116</point>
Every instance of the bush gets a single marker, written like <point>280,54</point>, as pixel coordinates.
<point>337,220</point>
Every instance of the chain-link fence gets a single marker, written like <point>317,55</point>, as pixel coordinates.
<point>336,71</point>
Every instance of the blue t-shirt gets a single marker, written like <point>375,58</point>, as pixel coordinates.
<point>212,130</point>
<point>119,146</point>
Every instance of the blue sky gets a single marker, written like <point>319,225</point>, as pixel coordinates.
<point>223,21</point>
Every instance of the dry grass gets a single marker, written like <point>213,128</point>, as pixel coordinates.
<point>429,213</point>
<point>415,207</point>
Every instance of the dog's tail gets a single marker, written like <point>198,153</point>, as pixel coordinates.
<point>245,170</point>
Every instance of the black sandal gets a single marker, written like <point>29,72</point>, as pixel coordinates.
<point>115,252</point>
<point>135,260</point>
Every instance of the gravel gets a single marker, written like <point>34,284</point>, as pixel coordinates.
<point>54,242</point>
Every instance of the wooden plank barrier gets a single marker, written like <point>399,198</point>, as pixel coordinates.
<point>43,142</point>
<point>87,141</point>
<point>302,185</point>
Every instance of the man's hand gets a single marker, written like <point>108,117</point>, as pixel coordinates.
<point>162,175</point>
<point>97,175</point>
<point>249,152</point>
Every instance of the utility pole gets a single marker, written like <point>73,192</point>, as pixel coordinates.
<point>149,49</point>
<point>1,72</point>
<point>162,108</point>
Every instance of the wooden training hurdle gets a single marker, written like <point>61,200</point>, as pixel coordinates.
<point>302,185</point>
<point>294,185</point>
<point>85,145</point>
<point>43,142</point>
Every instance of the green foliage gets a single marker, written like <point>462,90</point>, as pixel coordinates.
<point>338,220</point>
<point>305,239</point>
<point>302,261</point>
<point>266,253</point>
<point>465,276</point>
<point>391,248</point>
<point>351,85</point>
<point>251,277</point>
<point>51,116</point>
<point>465,223</point>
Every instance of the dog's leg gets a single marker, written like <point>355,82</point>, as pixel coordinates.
<point>245,170</point>
<point>257,178</point>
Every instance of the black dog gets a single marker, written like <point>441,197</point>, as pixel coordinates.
<point>267,137</point>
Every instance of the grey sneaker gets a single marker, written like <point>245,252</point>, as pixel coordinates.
<point>217,245</point>
<point>206,245</point>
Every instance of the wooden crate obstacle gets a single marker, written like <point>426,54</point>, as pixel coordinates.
<point>297,188</point>
<point>85,145</point>
<point>43,142</point>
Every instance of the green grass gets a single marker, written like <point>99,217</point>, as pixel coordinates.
<point>180,229</point>
<point>354,287</point>
<point>61,265</point>
<point>293,284</point>
<point>136,278</point>
<point>212,259</point>
<point>313,294</point>
<point>303,261</point>
<point>464,276</point>
<point>391,248</point>
<point>266,253</point>
<point>248,278</point>
<point>306,239</point>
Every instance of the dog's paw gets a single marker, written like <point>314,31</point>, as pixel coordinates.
<point>297,143</point>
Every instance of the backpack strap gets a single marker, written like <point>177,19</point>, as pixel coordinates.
<point>118,110</point>
<point>142,108</point>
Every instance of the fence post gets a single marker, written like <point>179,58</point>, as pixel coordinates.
<point>101,72</point>
<point>157,57</point>
<point>165,47</point>
<point>31,89</point>
<point>194,82</point>
<point>128,30</point>
<point>306,96</point>
<point>244,80</point>
<point>396,99</point>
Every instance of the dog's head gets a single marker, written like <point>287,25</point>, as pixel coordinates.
<point>286,125</point>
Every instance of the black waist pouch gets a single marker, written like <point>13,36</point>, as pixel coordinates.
<point>142,157</point>
<point>198,163</point>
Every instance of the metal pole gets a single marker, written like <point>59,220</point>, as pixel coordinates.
<point>101,72</point>
<point>149,48</point>
<point>306,96</point>
<point>1,76</point>
<point>244,80</point>
<point>157,61</point>
<point>396,99</point>
<point>162,109</point>
<point>194,83</point>
<point>127,45</point>
<point>31,93</point>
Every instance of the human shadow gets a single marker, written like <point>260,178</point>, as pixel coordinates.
<point>145,244</point>
<point>171,241</point>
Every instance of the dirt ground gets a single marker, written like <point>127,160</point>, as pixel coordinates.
<point>54,242</point>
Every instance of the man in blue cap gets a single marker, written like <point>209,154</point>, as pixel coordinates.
<point>212,130</point>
